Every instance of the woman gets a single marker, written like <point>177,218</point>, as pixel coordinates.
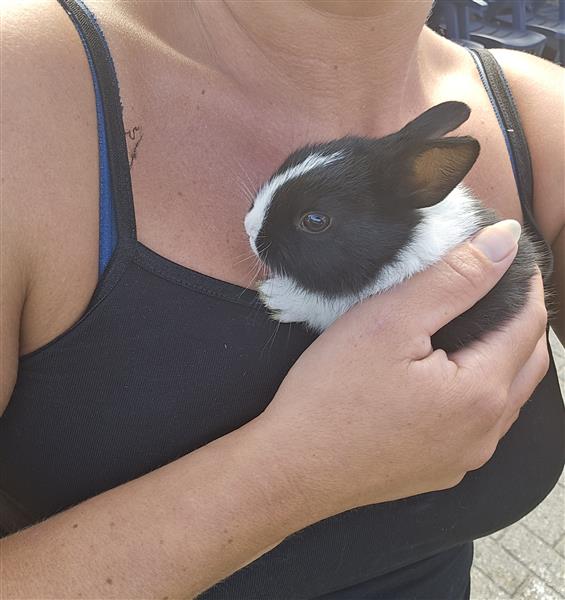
<point>153,363</point>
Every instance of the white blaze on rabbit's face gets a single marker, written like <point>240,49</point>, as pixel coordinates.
<point>256,216</point>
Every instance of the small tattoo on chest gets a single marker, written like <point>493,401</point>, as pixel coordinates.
<point>133,139</point>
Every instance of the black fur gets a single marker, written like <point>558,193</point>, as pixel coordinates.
<point>502,303</point>
<point>372,195</point>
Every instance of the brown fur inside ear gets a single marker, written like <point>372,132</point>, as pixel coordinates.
<point>434,171</point>
<point>440,164</point>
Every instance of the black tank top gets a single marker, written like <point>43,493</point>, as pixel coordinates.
<point>166,359</point>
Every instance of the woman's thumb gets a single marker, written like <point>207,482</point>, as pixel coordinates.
<point>461,278</point>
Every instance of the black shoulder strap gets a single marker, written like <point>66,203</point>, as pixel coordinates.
<point>505,109</point>
<point>506,112</point>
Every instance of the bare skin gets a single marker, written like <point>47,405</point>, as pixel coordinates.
<point>209,69</point>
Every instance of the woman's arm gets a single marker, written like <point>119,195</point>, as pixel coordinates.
<point>172,533</point>
<point>538,87</point>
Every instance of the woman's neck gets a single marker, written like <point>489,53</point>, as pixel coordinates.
<point>355,59</point>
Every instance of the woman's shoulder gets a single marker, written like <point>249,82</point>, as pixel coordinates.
<point>49,163</point>
<point>532,75</point>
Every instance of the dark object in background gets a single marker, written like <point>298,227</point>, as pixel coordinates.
<point>534,26</point>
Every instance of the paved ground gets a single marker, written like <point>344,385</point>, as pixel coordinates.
<point>527,560</point>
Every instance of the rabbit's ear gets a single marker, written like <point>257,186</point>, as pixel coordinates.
<point>437,121</point>
<point>429,172</point>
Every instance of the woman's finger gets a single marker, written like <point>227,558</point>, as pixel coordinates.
<point>507,351</point>
<point>530,375</point>
<point>525,383</point>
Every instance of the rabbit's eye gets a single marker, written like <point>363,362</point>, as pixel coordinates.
<point>315,222</point>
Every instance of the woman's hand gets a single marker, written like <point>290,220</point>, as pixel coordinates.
<point>371,413</point>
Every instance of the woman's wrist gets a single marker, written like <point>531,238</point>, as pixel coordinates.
<point>269,477</point>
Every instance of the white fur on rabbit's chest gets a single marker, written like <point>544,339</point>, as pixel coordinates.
<point>289,303</point>
<point>442,227</point>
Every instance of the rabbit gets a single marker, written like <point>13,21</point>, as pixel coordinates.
<point>343,220</point>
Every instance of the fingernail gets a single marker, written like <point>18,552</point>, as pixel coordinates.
<point>498,240</point>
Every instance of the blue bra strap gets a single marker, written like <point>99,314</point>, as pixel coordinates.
<point>108,235</point>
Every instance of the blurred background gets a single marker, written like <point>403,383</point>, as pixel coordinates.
<point>534,26</point>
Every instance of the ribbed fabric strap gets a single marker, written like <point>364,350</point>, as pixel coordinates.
<point>505,109</point>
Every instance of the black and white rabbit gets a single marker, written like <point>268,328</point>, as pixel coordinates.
<point>344,220</point>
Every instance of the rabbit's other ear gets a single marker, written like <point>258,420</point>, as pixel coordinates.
<point>437,121</point>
